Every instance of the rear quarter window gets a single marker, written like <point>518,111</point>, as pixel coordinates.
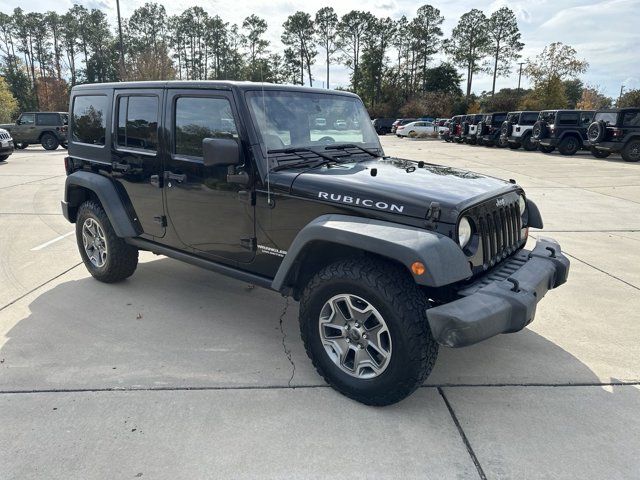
<point>88,119</point>
<point>528,118</point>
<point>52,119</point>
<point>567,118</point>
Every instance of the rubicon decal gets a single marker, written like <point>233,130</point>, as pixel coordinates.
<point>365,202</point>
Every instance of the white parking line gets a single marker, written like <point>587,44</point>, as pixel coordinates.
<point>46,244</point>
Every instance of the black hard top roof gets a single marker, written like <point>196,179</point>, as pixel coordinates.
<point>207,84</point>
<point>617,110</point>
<point>44,111</point>
<point>567,110</point>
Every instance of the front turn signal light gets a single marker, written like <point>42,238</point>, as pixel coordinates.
<point>418,268</point>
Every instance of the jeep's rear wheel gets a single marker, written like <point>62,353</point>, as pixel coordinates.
<point>546,149</point>
<point>569,145</point>
<point>599,153</point>
<point>364,327</point>
<point>21,145</point>
<point>631,151</point>
<point>514,146</point>
<point>107,257</point>
<point>49,142</point>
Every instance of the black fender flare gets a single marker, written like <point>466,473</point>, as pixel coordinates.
<point>106,192</point>
<point>534,216</point>
<point>444,260</point>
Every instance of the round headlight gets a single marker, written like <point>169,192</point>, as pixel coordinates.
<point>464,232</point>
<point>522,203</point>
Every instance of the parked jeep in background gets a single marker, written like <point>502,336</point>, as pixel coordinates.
<point>516,130</point>
<point>383,125</point>
<point>616,130</point>
<point>470,130</point>
<point>389,257</point>
<point>6,144</point>
<point>565,130</point>
<point>455,130</point>
<point>489,129</point>
<point>46,128</point>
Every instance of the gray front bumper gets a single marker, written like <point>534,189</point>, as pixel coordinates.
<point>502,301</point>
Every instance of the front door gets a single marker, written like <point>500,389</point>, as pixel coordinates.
<point>206,211</point>
<point>26,128</point>
<point>136,152</point>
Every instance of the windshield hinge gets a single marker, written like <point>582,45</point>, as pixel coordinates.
<point>433,214</point>
<point>249,243</point>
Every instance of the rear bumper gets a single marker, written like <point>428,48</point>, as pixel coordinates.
<point>548,142</point>
<point>502,301</point>
<point>514,139</point>
<point>608,146</point>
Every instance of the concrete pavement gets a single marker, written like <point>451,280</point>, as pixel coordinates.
<point>181,373</point>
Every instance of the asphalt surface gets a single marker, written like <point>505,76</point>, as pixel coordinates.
<point>182,373</point>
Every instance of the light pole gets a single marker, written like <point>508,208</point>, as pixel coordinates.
<point>121,43</point>
<point>520,75</point>
<point>619,97</point>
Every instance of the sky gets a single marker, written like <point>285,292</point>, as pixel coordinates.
<point>605,33</point>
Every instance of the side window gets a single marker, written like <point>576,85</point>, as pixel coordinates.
<point>567,118</point>
<point>27,119</point>
<point>197,118</point>
<point>631,119</point>
<point>528,118</point>
<point>88,119</point>
<point>48,119</point>
<point>138,122</point>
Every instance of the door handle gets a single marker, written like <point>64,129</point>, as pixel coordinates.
<point>178,177</point>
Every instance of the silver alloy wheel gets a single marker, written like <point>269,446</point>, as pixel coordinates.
<point>355,336</point>
<point>94,242</point>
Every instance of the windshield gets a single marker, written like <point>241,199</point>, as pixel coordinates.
<point>608,118</point>
<point>305,119</point>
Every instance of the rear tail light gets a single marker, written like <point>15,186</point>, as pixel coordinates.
<point>616,132</point>
<point>67,165</point>
<point>400,127</point>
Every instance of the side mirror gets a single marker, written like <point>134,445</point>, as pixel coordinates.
<point>220,152</point>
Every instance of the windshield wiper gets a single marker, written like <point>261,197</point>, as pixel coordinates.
<point>306,161</point>
<point>298,150</point>
<point>344,146</point>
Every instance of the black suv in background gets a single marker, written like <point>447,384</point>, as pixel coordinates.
<point>489,129</point>
<point>516,130</point>
<point>389,257</point>
<point>401,121</point>
<point>616,130</point>
<point>46,128</point>
<point>565,130</point>
<point>383,125</point>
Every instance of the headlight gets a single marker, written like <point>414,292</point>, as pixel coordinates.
<point>464,232</point>
<point>522,203</point>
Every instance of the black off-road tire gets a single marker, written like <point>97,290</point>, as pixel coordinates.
<point>631,151</point>
<point>392,291</point>
<point>546,149</point>
<point>49,141</point>
<point>21,145</point>
<point>122,258</point>
<point>599,153</point>
<point>527,143</point>
<point>514,146</point>
<point>3,157</point>
<point>569,145</point>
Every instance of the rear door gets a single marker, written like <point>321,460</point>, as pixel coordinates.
<point>136,154</point>
<point>208,213</point>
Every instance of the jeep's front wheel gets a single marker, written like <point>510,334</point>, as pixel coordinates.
<point>569,145</point>
<point>599,153</point>
<point>107,257</point>
<point>364,327</point>
<point>546,148</point>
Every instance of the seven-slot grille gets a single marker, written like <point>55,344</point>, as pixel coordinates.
<point>500,231</point>
<point>4,136</point>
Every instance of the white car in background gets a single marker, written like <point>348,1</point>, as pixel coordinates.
<point>414,128</point>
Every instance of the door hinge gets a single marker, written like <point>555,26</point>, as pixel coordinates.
<point>248,197</point>
<point>161,219</point>
<point>250,243</point>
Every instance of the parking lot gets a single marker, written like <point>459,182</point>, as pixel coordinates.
<point>182,373</point>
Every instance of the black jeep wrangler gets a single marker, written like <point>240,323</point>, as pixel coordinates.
<point>516,130</point>
<point>389,257</point>
<point>616,130</point>
<point>565,130</point>
<point>489,130</point>
<point>46,128</point>
<point>383,125</point>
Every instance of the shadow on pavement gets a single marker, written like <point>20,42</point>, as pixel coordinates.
<point>173,325</point>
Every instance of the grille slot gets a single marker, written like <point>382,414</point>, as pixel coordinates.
<point>499,231</point>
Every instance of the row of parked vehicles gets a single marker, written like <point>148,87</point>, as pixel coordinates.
<point>602,132</point>
<point>48,129</point>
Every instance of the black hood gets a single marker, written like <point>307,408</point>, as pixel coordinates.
<point>399,186</point>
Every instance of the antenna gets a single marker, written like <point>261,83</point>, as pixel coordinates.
<point>266,147</point>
